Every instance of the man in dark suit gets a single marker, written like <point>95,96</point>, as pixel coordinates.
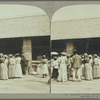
<point>24,64</point>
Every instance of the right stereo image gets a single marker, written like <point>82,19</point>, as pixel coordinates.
<point>75,49</point>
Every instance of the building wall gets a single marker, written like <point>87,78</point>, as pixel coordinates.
<point>70,29</point>
<point>25,26</point>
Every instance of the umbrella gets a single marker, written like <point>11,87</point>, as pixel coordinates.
<point>54,53</point>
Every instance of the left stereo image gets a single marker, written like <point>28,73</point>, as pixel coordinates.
<point>24,49</point>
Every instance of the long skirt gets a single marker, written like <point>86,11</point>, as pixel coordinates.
<point>69,72</point>
<point>82,70</point>
<point>98,71</point>
<point>62,73</point>
<point>95,67</point>
<point>88,72</point>
<point>3,71</point>
<point>18,70</point>
<point>45,69</point>
<point>11,71</point>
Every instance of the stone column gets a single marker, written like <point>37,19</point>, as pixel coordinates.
<point>70,48</point>
<point>27,50</point>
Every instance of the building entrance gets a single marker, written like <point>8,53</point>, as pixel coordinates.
<point>87,45</point>
<point>11,45</point>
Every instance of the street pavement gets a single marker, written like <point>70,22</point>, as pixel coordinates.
<point>76,87</point>
<point>26,84</point>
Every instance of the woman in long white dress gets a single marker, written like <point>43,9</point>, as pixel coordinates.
<point>62,77</point>
<point>98,68</point>
<point>3,70</point>
<point>88,69</point>
<point>95,67</point>
<point>6,59</point>
<point>18,70</point>
<point>45,66</point>
<point>11,68</point>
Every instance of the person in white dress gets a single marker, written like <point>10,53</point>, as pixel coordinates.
<point>11,67</point>
<point>88,68</point>
<point>18,70</point>
<point>45,66</point>
<point>96,70</point>
<point>3,69</point>
<point>90,60</point>
<point>6,59</point>
<point>62,77</point>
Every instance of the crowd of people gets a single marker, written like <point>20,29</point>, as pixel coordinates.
<point>16,65</point>
<point>75,67</point>
<point>12,66</point>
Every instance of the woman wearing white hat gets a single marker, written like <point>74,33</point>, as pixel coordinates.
<point>98,68</point>
<point>18,70</point>
<point>6,59</point>
<point>95,66</point>
<point>3,69</point>
<point>45,66</point>
<point>63,68</point>
<point>88,69</point>
<point>11,67</point>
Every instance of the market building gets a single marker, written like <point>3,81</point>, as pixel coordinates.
<point>24,29</point>
<point>76,27</point>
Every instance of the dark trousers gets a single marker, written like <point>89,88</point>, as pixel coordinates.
<point>24,69</point>
<point>69,72</point>
<point>55,73</point>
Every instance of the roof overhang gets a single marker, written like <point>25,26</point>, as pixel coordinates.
<point>76,21</point>
<point>23,21</point>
